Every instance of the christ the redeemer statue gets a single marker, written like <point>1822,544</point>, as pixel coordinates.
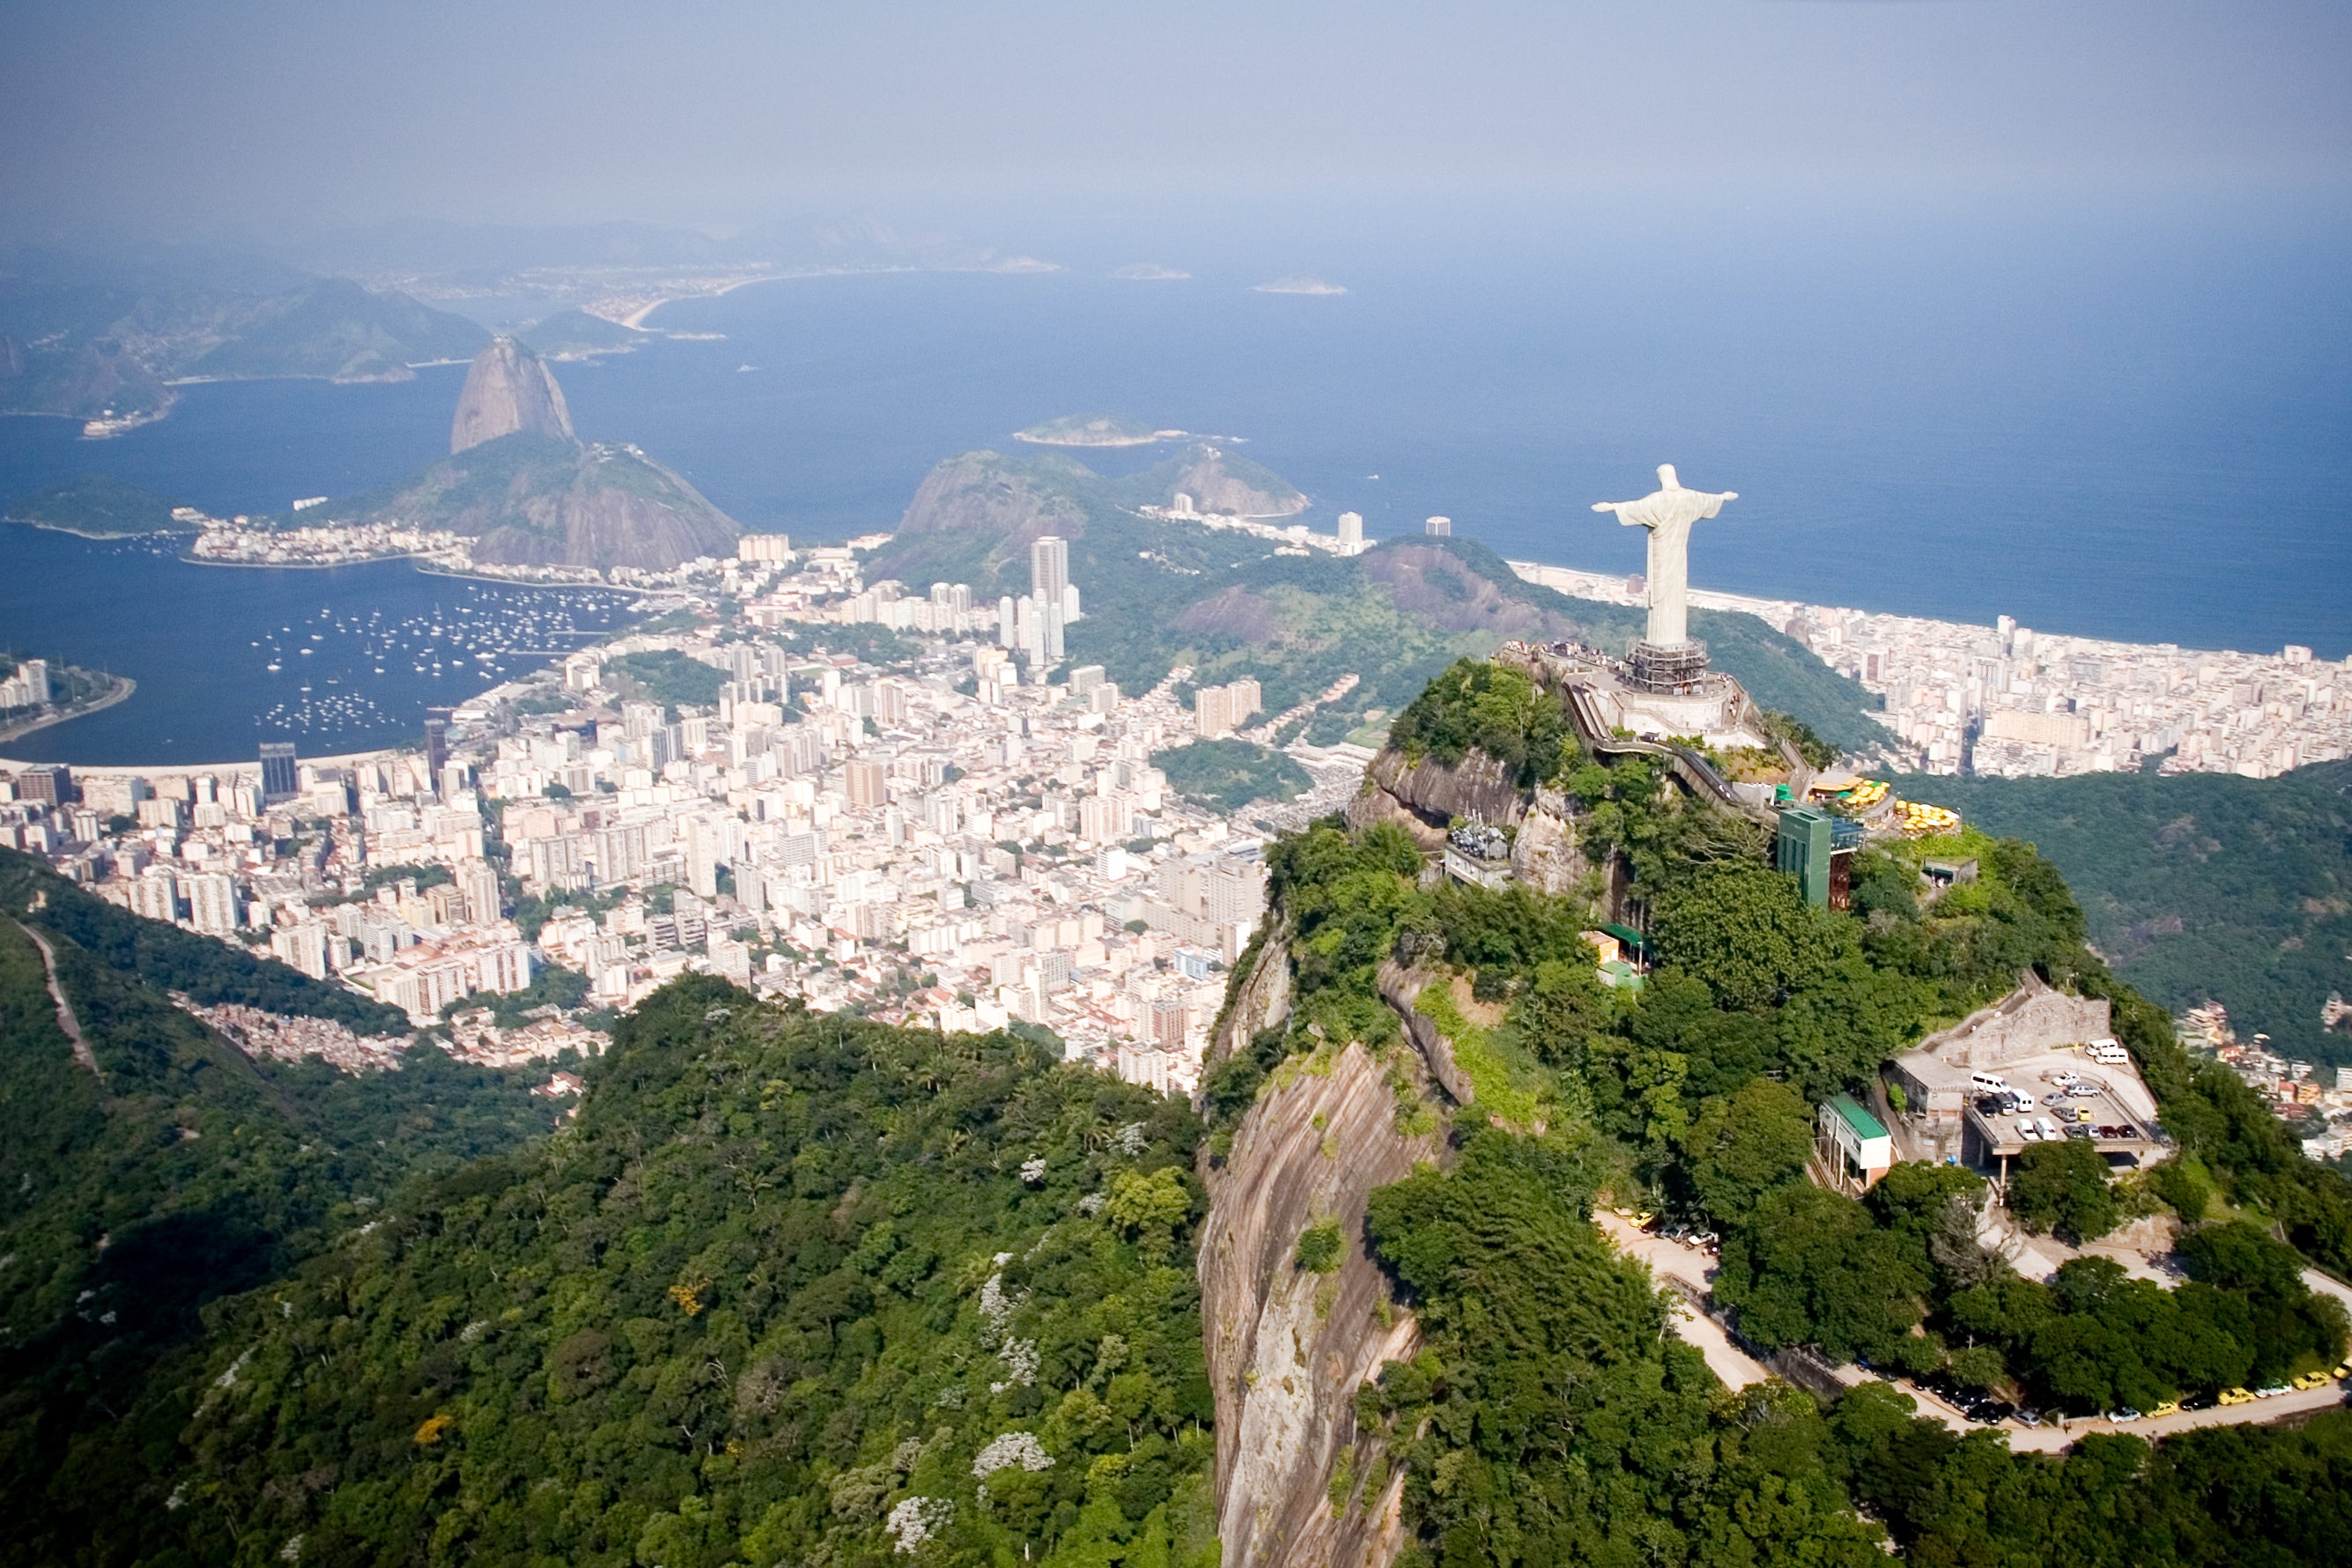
<point>1668,512</point>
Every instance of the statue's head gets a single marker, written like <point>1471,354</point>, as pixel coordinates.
<point>1666,480</point>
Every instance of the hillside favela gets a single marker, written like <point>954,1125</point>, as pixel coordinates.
<point>866,819</point>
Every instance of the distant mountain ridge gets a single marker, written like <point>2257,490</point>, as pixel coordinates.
<point>89,341</point>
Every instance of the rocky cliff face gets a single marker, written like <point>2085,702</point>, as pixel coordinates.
<point>1262,1001</point>
<point>1429,792</point>
<point>508,389</point>
<point>1288,1348</point>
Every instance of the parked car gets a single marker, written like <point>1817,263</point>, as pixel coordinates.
<point>2169,1407</point>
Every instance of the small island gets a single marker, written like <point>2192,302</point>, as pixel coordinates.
<point>1094,430</point>
<point>99,506</point>
<point>1300,285</point>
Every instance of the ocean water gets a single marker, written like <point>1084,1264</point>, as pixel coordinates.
<point>334,659</point>
<point>2128,423</point>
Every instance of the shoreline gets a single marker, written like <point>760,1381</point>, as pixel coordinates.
<point>101,538</point>
<point>191,770</point>
<point>120,692</point>
<point>1766,609</point>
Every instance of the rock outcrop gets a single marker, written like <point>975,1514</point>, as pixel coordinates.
<point>1288,1348</point>
<point>1262,1001</point>
<point>1434,793</point>
<point>1546,854</point>
<point>1221,485</point>
<point>508,390</point>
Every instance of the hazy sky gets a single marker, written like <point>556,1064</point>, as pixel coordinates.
<point>232,115</point>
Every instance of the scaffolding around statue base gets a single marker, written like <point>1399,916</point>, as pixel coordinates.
<point>1668,669</point>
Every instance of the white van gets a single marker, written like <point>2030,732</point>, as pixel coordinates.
<point>2107,1051</point>
<point>1989,1083</point>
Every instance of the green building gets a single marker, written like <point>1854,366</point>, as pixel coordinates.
<point>1802,849</point>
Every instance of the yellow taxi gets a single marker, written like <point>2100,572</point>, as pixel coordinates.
<point>2235,1396</point>
<point>2169,1407</point>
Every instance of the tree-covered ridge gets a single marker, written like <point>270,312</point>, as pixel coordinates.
<point>2200,887</point>
<point>99,504</point>
<point>1544,1422</point>
<point>1478,705</point>
<point>1549,1420</point>
<point>203,968</point>
<point>167,1172</point>
<point>793,1289</point>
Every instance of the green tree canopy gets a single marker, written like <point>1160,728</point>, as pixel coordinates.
<point>2063,1187</point>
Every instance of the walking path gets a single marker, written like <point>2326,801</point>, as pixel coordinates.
<point>65,1019</point>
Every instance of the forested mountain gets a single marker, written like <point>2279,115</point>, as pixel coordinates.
<point>1160,593</point>
<point>167,1169</point>
<point>798,1289</point>
<point>1545,1420</point>
<point>2200,887</point>
<point>793,1289</point>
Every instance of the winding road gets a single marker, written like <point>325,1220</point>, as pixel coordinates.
<point>1689,1270</point>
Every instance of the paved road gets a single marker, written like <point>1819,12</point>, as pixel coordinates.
<point>1675,1263</point>
<point>65,1019</point>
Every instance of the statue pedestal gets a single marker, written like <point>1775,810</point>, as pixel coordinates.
<point>1668,669</point>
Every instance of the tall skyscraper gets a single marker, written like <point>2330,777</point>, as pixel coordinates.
<point>280,780</point>
<point>1351,532</point>
<point>436,741</point>
<point>1049,570</point>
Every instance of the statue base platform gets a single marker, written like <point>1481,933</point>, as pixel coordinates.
<point>1668,669</point>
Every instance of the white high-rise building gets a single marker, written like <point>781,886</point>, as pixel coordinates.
<point>1049,570</point>
<point>1006,632</point>
<point>212,902</point>
<point>1351,533</point>
<point>156,895</point>
<point>303,947</point>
